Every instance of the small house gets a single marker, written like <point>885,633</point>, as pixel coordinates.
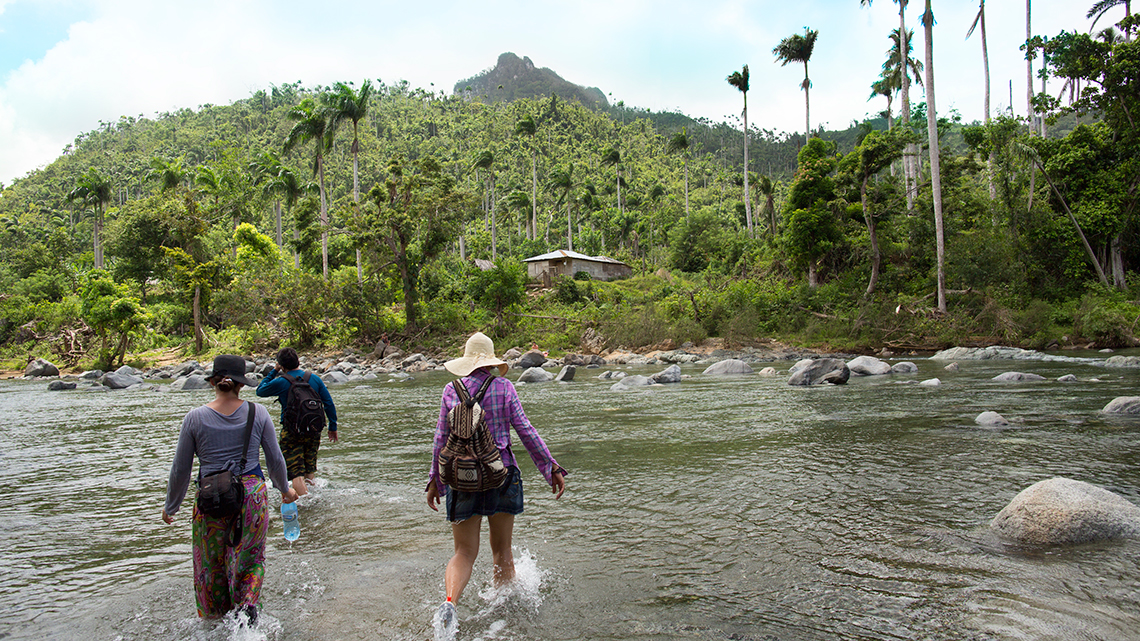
<point>563,262</point>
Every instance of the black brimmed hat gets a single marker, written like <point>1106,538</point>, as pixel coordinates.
<point>233,368</point>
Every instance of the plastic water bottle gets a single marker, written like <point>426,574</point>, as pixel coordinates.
<point>292,525</point>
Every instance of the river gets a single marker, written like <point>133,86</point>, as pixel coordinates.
<point>716,508</point>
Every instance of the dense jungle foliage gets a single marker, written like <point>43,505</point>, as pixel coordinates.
<point>326,217</point>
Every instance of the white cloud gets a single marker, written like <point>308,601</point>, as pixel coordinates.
<point>138,57</point>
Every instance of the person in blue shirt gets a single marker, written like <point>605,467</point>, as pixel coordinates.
<point>300,450</point>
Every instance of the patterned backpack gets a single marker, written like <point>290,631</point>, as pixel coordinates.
<point>470,461</point>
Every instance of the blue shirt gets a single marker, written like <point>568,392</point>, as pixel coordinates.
<point>276,385</point>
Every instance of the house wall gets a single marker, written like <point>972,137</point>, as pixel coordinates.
<point>548,270</point>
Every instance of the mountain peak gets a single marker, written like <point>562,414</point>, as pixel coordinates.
<point>513,78</point>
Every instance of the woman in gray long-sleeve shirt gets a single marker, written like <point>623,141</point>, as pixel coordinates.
<point>228,578</point>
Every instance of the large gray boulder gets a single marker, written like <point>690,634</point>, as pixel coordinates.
<point>1017,377</point>
<point>190,383</point>
<point>334,378</point>
<point>631,382</point>
<point>991,419</point>
<point>730,367</point>
<point>904,367</point>
<point>127,370</point>
<point>1123,405</point>
<point>566,375</point>
<point>56,386</point>
<point>535,375</point>
<point>820,370</point>
<point>868,366</point>
<point>1123,361</point>
<point>40,367</point>
<point>671,374</point>
<point>533,358</point>
<point>1064,511</point>
<point>185,369</point>
<point>115,380</point>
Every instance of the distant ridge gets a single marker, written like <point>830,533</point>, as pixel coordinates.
<point>513,78</point>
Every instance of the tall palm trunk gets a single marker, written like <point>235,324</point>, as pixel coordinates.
<point>356,192</point>
<point>324,219</point>
<point>747,200</point>
<point>1029,72</point>
<point>992,162</point>
<point>807,103</point>
<point>935,164</point>
<point>685,162</point>
<point>98,237</point>
<point>533,231</point>
<point>911,149</point>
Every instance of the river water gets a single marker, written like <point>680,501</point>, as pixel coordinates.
<point>717,508</point>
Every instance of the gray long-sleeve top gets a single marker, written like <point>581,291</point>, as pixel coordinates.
<point>217,439</point>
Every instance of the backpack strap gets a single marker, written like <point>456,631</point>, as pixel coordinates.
<point>233,529</point>
<point>466,398</point>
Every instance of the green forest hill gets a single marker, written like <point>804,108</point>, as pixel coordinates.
<point>327,217</point>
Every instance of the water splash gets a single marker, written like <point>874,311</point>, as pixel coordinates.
<point>445,622</point>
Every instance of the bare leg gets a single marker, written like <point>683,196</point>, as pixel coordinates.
<point>502,528</point>
<point>466,534</point>
<point>299,486</point>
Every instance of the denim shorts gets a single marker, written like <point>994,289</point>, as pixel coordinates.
<point>506,499</point>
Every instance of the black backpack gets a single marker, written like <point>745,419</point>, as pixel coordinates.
<point>304,411</point>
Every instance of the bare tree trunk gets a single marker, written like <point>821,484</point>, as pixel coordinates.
<point>1117,261</point>
<point>1084,241</point>
<point>277,217</point>
<point>872,237</point>
<point>324,221</point>
<point>1029,73</point>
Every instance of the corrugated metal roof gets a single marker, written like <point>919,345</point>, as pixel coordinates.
<point>565,253</point>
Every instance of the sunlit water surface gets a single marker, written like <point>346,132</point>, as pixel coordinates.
<point>717,508</point>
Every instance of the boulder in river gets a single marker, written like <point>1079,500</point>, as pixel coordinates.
<point>115,380</point>
<point>730,367</point>
<point>41,367</point>
<point>533,358</point>
<point>334,378</point>
<point>190,383</point>
<point>671,374</point>
<point>1123,405</point>
<point>868,366</point>
<point>1064,511</point>
<point>820,370</point>
<point>1017,377</point>
<point>56,386</point>
<point>1123,361</point>
<point>535,375</point>
<point>904,367</point>
<point>631,382</point>
<point>566,374</point>
<point>991,419</point>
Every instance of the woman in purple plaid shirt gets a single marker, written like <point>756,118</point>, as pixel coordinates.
<point>466,509</point>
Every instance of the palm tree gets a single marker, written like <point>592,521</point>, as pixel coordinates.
<point>739,79</point>
<point>345,103</point>
<point>169,173</point>
<point>935,164</point>
<point>266,168</point>
<point>563,180</point>
<point>797,48</point>
<point>679,144</point>
<point>612,158</point>
<point>94,191</point>
<point>904,45</point>
<point>980,21</point>
<point>1102,7</point>
<point>1029,113</point>
<point>527,127</point>
<point>313,125</point>
<point>904,69</point>
<point>486,161</point>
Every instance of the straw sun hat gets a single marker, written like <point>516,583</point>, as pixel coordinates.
<point>479,352</point>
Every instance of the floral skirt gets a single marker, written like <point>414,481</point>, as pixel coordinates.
<point>230,577</point>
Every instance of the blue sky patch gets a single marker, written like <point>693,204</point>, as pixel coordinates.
<point>29,29</point>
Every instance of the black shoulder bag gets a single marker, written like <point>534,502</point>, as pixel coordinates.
<point>222,494</point>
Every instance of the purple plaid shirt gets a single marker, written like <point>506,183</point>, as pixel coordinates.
<point>503,409</point>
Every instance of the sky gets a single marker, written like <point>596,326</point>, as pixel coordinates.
<point>67,64</point>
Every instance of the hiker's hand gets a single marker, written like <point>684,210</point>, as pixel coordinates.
<point>289,497</point>
<point>166,517</point>
<point>433,496</point>
<point>557,484</point>
<point>333,437</point>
